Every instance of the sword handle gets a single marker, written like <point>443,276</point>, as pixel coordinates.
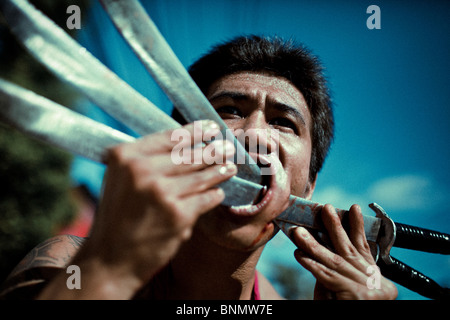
<point>416,238</point>
<point>412,279</point>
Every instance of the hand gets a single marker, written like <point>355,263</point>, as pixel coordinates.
<point>342,274</point>
<point>150,204</point>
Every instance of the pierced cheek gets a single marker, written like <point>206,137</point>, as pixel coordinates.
<point>265,234</point>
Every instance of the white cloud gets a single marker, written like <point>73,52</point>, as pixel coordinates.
<point>338,197</point>
<point>402,192</point>
<point>399,193</point>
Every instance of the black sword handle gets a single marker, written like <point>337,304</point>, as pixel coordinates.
<point>416,238</point>
<point>406,276</point>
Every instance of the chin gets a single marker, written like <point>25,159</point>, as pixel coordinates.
<point>240,232</point>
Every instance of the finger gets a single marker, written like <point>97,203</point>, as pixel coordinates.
<point>342,287</point>
<point>357,234</point>
<point>327,277</point>
<point>186,136</point>
<point>198,204</point>
<point>170,163</point>
<point>169,141</point>
<point>216,152</point>
<point>200,181</point>
<point>340,240</point>
<point>313,249</point>
<point>190,160</point>
<point>336,231</point>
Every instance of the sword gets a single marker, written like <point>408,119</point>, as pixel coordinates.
<point>73,64</point>
<point>150,46</point>
<point>161,62</point>
<point>52,123</point>
<point>302,212</point>
<point>64,128</point>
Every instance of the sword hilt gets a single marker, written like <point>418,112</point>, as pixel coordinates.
<point>412,279</point>
<point>394,234</point>
<point>410,237</point>
<point>405,236</point>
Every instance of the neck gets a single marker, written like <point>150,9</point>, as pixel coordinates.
<point>204,270</point>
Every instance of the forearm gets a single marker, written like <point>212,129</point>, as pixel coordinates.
<point>97,282</point>
<point>148,209</point>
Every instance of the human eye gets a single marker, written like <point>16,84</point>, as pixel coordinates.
<point>229,112</point>
<point>284,124</point>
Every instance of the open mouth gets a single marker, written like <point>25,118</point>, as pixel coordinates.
<point>264,196</point>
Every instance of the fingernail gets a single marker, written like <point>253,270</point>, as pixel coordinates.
<point>303,232</point>
<point>211,127</point>
<point>227,169</point>
<point>224,147</point>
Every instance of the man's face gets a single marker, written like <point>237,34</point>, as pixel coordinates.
<point>249,101</point>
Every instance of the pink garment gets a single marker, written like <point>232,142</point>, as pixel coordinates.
<point>256,294</point>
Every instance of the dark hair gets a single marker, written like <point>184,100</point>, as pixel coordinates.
<point>281,58</point>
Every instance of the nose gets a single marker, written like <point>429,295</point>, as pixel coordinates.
<point>256,135</point>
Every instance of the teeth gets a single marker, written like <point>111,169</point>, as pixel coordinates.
<point>243,207</point>
<point>250,208</point>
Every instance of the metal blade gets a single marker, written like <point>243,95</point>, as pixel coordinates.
<point>55,124</point>
<point>74,64</point>
<point>50,122</point>
<point>143,36</point>
<point>61,127</point>
<point>305,213</point>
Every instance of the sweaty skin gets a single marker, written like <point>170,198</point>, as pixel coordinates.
<point>247,101</point>
<point>160,232</point>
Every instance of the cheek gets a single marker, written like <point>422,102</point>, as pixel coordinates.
<point>296,162</point>
<point>299,186</point>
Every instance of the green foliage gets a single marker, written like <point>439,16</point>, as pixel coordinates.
<point>35,185</point>
<point>34,194</point>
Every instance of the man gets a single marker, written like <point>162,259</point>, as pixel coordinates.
<point>160,232</point>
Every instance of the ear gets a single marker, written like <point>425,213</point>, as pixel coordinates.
<point>311,186</point>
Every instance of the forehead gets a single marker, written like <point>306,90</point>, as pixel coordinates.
<point>261,85</point>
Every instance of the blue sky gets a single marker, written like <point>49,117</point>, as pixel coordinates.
<point>390,89</point>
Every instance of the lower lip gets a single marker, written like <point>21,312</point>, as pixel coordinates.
<point>263,199</point>
<point>252,209</point>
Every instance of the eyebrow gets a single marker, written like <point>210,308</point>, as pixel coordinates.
<point>230,94</point>
<point>282,107</point>
<point>290,110</point>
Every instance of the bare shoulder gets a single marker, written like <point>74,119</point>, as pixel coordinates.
<point>266,289</point>
<point>40,265</point>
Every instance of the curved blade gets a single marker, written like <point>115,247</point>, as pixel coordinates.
<point>52,123</point>
<point>59,126</point>
<point>155,53</point>
<point>72,63</point>
<point>75,65</point>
